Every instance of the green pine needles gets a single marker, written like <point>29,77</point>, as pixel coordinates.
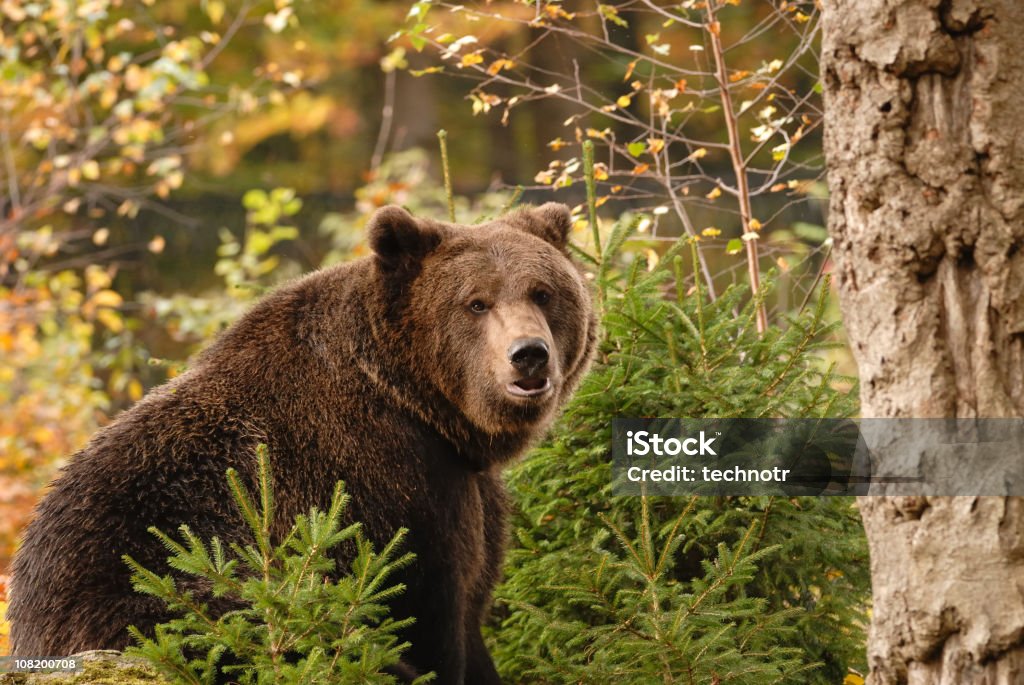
<point>293,620</point>
<point>740,590</point>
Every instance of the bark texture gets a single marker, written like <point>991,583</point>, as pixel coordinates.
<point>925,148</point>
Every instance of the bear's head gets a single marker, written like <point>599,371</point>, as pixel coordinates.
<point>496,317</point>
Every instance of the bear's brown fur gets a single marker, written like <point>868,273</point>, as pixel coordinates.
<point>412,375</point>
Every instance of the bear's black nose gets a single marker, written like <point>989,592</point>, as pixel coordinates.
<point>528,355</point>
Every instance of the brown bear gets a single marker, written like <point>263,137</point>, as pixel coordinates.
<point>413,375</point>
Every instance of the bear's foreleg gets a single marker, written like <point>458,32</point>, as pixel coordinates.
<point>480,669</point>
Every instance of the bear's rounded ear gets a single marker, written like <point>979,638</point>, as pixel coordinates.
<point>551,222</point>
<point>396,237</point>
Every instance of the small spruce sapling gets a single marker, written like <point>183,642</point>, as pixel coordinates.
<point>297,619</point>
<point>737,590</point>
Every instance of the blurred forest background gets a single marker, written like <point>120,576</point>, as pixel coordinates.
<point>162,164</point>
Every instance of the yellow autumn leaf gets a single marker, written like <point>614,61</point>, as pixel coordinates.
<point>135,78</point>
<point>640,168</point>
<point>97,278</point>
<point>601,171</point>
<point>711,232</point>
<point>499,64</point>
<point>106,298</point>
<point>699,153</point>
<point>423,72</point>
<point>655,145</point>
<point>108,97</point>
<point>555,12</point>
<point>853,679</point>
<point>629,69</point>
<point>110,319</point>
<point>215,11</point>
<point>738,75</point>
<point>91,170</point>
<point>754,225</point>
<point>624,101</point>
<point>471,59</point>
<point>135,389</point>
<point>715,192</point>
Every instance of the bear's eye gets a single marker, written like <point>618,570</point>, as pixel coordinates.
<point>541,297</point>
<point>478,306</point>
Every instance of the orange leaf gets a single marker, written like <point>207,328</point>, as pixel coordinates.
<point>554,11</point>
<point>629,69</point>
<point>499,64</point>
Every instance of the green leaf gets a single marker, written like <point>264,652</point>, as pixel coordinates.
<point>636,148</point>
<point>611,14</point>
<point>811,232</point>
<point>254,199</point>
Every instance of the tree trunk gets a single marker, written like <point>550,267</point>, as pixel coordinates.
<point>925,146</point>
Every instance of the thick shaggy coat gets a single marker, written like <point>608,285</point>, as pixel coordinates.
<point>413,375</point>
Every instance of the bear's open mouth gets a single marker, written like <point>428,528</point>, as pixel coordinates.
<point>529,387</point>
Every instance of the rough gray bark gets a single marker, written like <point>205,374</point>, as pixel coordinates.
<point>925,147</point>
